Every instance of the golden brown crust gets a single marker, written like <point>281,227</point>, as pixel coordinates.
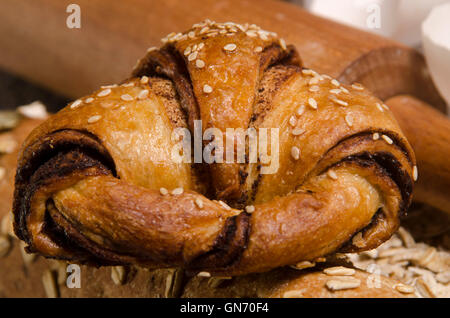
<point>88,181</point>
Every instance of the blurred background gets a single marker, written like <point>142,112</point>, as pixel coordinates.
<point>398,19</point>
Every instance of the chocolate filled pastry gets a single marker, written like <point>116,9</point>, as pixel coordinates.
<point>98,182</point>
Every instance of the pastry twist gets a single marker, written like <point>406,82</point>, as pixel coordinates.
<point>91,180</point>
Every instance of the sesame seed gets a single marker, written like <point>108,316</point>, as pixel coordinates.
<point>89,100</point>
<point>339,271</point>
<point>340,102</point>
<point>224,205</point>
<point>126,97</point>
<point>308,72</point>
<point>75,104</point>
<point>314,88</point>
<point>144,79</point>
<point>230,47</point>
<point>283,44</point>
<point>379,107</point>
<point>153,48</point>
<point>335,91</point>
<point>293,294</point>
<point>404,289</point>
<point>358,87</point>
<point>304,264</point>
<point>292,121</point>
<point>187,51</point>
<point>199,63</point>
<point>332,174</point>
<point>387,139</point>
<point>207,89</point>
<point>204,274</point>
<point>349,120</point>
<point>177,191</point>
<point>295,153</point>
<point>131,84</point>
<point>94,119</point>
<point>192,56</point>
<point>191,34</point>
<point>345,90</point>
<point>204,30</point>
<point>143,94</point>
<point>104,92</point>
<point>385,106</point>
<point>258,49</point>
<point>376,136</point>
<point>250,208</point>
<point>415,173</point>
<point>300,110</point>
<point>339,284</point>
<point>313,80</point>
<point>297,131</point>
<point>312,102</point>
<point>251,34</point>
<point>200,46</point>
<point>163,191</point>
<point>199,203</point>
<point>335,82</point>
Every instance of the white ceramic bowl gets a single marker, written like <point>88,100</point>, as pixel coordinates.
<point>436,45</point>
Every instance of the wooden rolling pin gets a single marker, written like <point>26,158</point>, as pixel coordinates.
<point>36,44</point>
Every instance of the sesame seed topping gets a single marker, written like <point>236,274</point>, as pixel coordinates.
<point>258,49</point>
<point>340,102</point>
<point>339,271</point>
<point>332,174</point>
<point>312,102</point>
<point>387,139</point>
<point>415,173</point>
<point>379,107</point>
<point>177,191</point>
<point>230,47</point>
<point>297,131</point>
<point>144,79</point>
<point>283,44</point>
<point>191,34</point>
<point>89,100</point>
<point>131,84</point>
<point>349,120</point>
<point>335,91</point>
<point>199,203</point>
<point>385,106</point>
<point>251,34</point>
<point>292,121</point>
<point>314,88</point>
<point>250,208</point>
<point>187,51</point>
<point>126,97</point>
<point>207,89</point>
<point>94,119</point>
<point>335,82</point>
<point>143,94</point>
<point>358,86</point>
<point>344,90</point>
<point>404,289</point>
<point>104,92</point>
<point>224,205</point>
<point>300,110</point>
<point>75,104</point>
<point>304,264</point>
<point>200,46</point>
<point>313,80</point>
<point>376,136</point>
<point>153,48</point>
<point>163,191</point>
<point>308,72</point>
<point>192,56</point>
<point>199,63</point>
<point>295,153</point>
<point>340,284</point>
<point>204,274</point>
